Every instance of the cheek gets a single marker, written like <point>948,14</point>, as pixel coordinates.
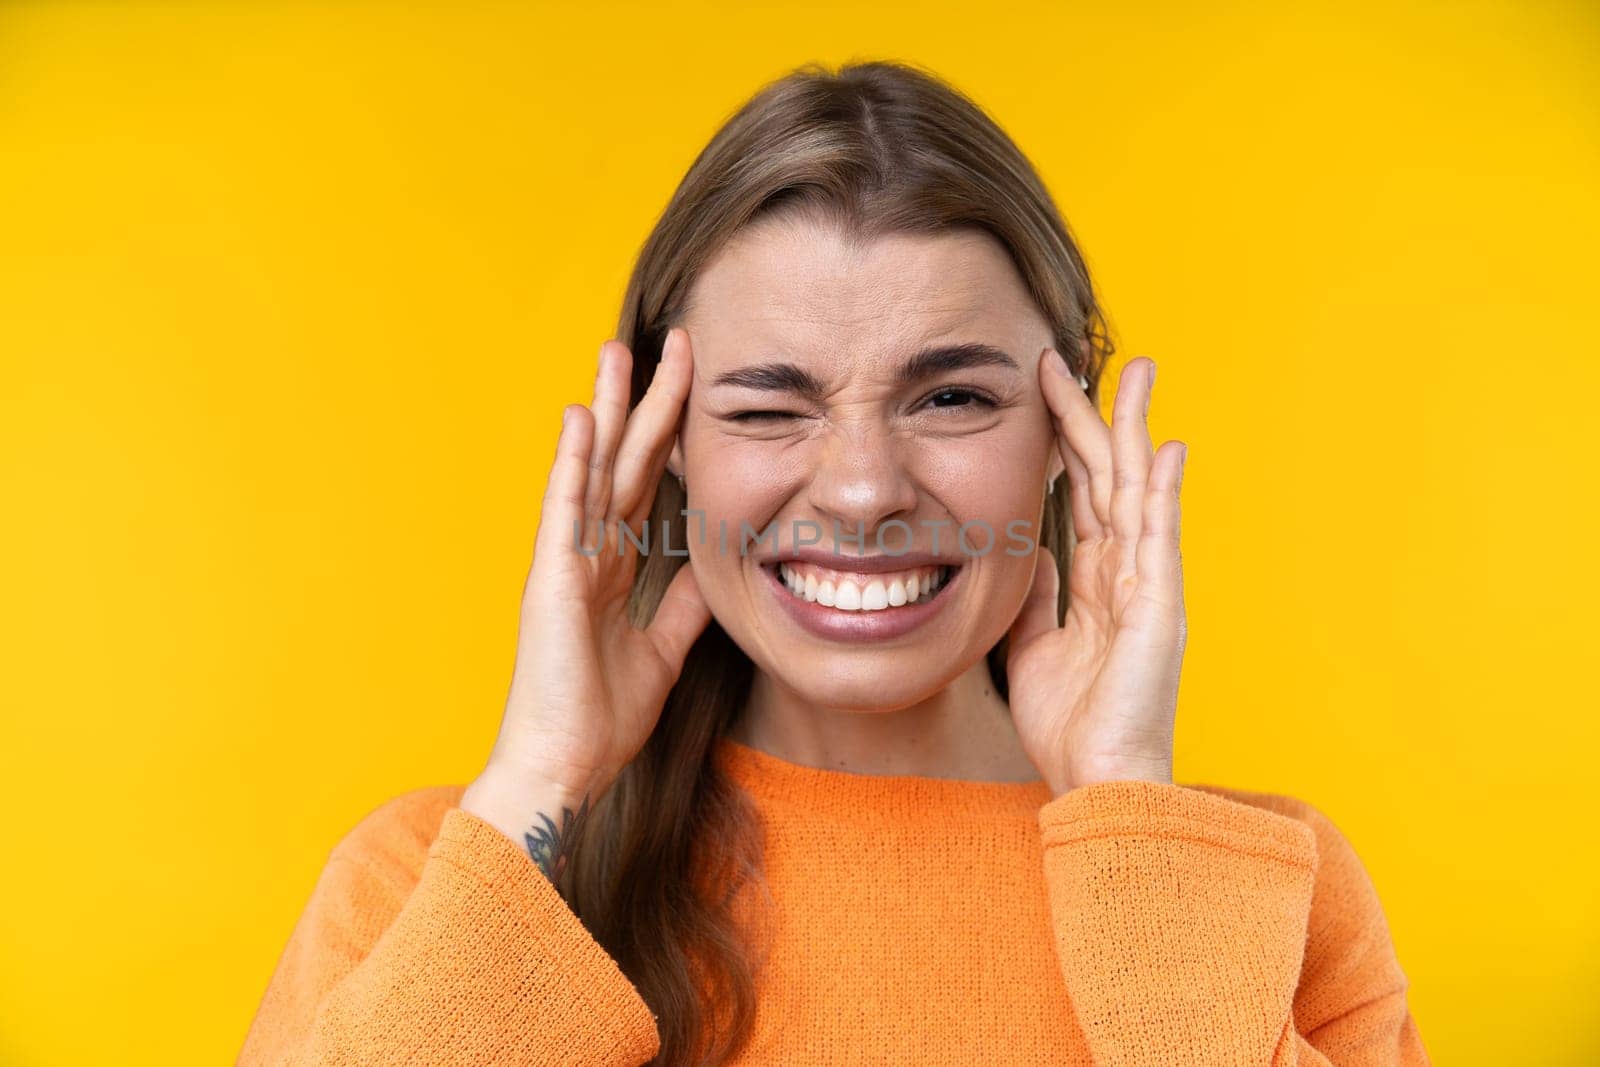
<point>742,480</point>
<point>996,478</point>
<point>731,484</point>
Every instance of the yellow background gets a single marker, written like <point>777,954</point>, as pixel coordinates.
<point>291,297</point>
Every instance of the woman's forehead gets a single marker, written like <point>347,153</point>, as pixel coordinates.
<point>802,287</point>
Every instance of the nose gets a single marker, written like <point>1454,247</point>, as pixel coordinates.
<point>861,480</point>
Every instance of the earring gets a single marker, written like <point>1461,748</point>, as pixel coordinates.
<point>682,484</point>
<point>1050,486</point>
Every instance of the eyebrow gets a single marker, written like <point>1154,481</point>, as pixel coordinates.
<point>940,359</point>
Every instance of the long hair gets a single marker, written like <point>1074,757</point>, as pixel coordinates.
<point>658,871</point>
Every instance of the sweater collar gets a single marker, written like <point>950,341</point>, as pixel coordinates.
<point>899,797</point>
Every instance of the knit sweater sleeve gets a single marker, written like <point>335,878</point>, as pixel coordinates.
<point>1197,924</point>
<point>431,937</point>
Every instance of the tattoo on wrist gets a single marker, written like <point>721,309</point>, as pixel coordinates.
<point>549,845</point>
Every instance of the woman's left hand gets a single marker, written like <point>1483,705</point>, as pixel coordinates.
<point>1095,700</point>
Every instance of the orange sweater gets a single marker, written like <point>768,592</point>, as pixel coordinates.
<point>918,920</point>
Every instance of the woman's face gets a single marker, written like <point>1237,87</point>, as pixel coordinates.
<point>811,411</point>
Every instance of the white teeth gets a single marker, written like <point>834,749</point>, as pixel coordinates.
<point>878,594</point>
<point>847,597</point>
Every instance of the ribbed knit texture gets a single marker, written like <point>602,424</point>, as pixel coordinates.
<point>914,920</point>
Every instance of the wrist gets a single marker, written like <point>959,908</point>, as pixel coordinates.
<point>1124,769</point>
<point>515,776</point>
<point>542,817</point>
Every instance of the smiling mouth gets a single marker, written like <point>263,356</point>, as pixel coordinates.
<point>862,593</point>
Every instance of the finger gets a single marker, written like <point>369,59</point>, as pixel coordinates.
<point>1159,555</point>
<point>681,616</point>
<point>1086,524</point>
<point>1038,614</point>
<point>1130,450</point>
<point>1084,441</point>
<point>611,381</point>
<point>647,440</point>
<point>562,507</point>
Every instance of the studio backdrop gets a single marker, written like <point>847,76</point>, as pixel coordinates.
<point>292,297</point>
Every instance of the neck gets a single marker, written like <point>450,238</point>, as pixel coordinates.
<point>962,731</point>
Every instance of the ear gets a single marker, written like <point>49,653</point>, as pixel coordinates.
<point>1056,463</point>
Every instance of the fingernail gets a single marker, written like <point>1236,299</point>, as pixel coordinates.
<point>1152,375</point>
<point>1058,364</point>
<point>566,417</point>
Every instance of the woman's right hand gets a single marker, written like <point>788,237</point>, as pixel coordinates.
<point>588,686</point>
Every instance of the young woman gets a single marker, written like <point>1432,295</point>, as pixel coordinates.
<point>839,731</point>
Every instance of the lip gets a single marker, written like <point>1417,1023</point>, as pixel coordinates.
<point>857,626</point>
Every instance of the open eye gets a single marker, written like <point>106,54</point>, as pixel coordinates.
<point>960,399</point>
